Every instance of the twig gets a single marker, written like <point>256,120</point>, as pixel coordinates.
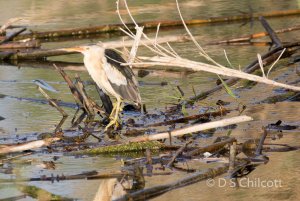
<point>261,142</point>
<point>52,102</point>
<point>132,55</point>
<point>275,40</point>
<point>179,151</point>
<point>76,94</point>
<point>59,125</point>
<point>86,100</point>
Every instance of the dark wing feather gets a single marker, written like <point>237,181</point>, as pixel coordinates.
<point>129,91</point>
<point>115,59</point>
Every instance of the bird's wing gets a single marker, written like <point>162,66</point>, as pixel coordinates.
<point>115,59</point>
<point>121,78</point>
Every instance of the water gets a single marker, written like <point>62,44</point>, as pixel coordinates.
<point>24,118</point>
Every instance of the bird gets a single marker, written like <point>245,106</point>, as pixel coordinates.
<point>104,67</point>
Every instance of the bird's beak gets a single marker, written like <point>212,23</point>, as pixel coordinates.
<point>73,49</point>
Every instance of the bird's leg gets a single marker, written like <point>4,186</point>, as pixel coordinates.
<point>116,110</point>
<point>113,110</point>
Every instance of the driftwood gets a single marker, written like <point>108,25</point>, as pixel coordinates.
<point>113,28</point>
<point>4,149</point>
<point>193,128</point>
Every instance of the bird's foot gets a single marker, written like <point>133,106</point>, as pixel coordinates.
<point>113,122</point>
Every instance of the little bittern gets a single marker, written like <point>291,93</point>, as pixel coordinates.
<point>104,66</point>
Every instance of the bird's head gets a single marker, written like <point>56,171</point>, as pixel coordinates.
<point>85,49</point>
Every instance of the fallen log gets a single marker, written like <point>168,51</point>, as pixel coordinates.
<point>114,28</point>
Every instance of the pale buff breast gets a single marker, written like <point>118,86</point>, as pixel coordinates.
<point>98,74</point>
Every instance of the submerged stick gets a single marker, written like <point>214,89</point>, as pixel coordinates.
<point>261,142</point>
<point>155,191</point>
<point>210,148</point>
<point>232,157</point>
<point>193,128</point>
<point>275,40</point>
<point>179,151</point>
<point>248,38</point>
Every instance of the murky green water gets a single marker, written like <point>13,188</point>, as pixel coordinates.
<point>23,117</point>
